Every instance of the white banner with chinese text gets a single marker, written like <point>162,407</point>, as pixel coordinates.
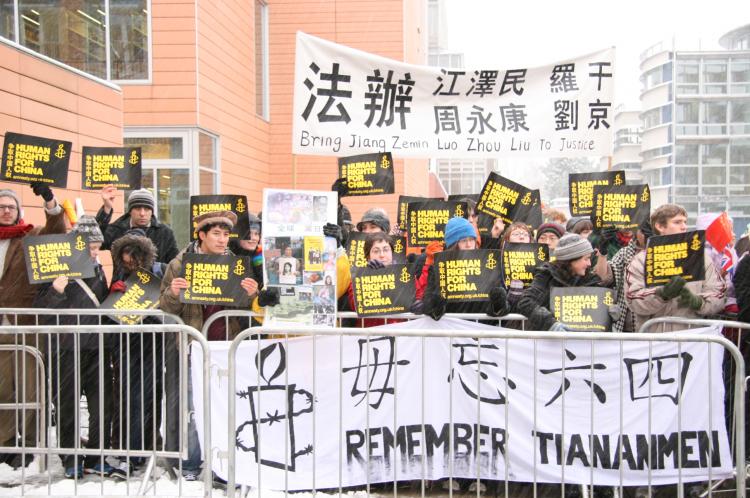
<point>350,102</point>
<point>507,405</point>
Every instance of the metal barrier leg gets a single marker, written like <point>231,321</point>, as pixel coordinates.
<point>146,475</point>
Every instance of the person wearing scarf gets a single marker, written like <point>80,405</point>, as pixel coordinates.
<point>17,292</point>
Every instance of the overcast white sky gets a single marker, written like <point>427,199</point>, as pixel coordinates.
<point>504,34</point>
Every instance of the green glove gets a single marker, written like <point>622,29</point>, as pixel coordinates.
<point>689,300</point>
<point>672,288</point>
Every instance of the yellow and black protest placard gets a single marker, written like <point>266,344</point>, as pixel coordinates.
<point>28,159</point>
<point>468,275</point>
<point>142,291</point>
<point>52,256</point>
<point>531,214</point>
<point>581,189</point>
<point>677,255</point>
<point>214,279</point>
<point>403,207</point>
<point>582,309</point>
<point>519,261</point>
<point>118,166</point>
<point>427,219</point>
<point>399,250</point>
<point>624,207</point>
<point>503,198</point>
<point>200,204</point>
<point>367,174</point>
<point>383,291</point>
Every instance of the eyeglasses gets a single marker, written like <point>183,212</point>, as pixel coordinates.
<point>8,207</point>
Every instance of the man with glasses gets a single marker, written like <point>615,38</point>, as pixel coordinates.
<point>17,292</point>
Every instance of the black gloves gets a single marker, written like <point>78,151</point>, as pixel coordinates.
<point>689,300</point>
<point>331,230</point>
<point>42,190</point>
<point>499,302</point>
<point>672,288</point>
<point>375,264</point>
<point>606,236</point>
<point>434,305</point>
<point>269,297</point>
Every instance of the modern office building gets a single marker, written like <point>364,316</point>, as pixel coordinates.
<point>205,87</point>
<point>695,147</point>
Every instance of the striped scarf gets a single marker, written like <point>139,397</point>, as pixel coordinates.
<point>619,264</point>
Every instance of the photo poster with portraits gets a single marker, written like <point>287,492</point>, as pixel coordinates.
<point>298,259</point>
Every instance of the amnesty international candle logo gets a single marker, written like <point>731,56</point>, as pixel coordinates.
<point>142,291</point>
<point>459,212</point>
<point>679,254</point>
<point>427,220</point>
<point>118,166</point>
<point>200,204</point>
<point>465,276</point>
<point>27,159</point>
<point>519,261</point>
<point>214,279</point>
<point>383,291</point>
<point>624,207</point>
<point>582,309</point>
<point>501,198</point>
<point>581,189</point>
<point>52,256</point>
<point>367,174</point>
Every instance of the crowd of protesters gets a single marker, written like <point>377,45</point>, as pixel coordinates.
<point>581,256</point>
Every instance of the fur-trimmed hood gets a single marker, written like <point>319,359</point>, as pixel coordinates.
<point>141,242</point>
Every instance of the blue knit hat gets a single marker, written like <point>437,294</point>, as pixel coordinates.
<point>457,229</point>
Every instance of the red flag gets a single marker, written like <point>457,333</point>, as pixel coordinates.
<point>719,232</point>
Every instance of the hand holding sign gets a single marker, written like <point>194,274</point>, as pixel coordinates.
<point>42,190</point>
<point>177,285</point>
<point>250,286</point>
<point>108,194</point>
<point>60,283</point>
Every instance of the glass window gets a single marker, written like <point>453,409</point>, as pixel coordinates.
<point>687,112</point>
<point>714,154</point>
<point>739,175</point>
<point>128,28</point>
<point>687,72</point>
<point>686,175</point>
<point>173,201</point>
<point>666,176</point>
<point>715,72</point>
<point>685,190</point>
<point>261,58</point>
<point>715,112</point>
<point>740,152</point>
<point>7,25</point>
<point>686,154</point>
<point>740,112</point>
<point>714,191</point>
<point>740,71</point>
<point>713,207</point>
<point>206,151</point>
<point>714,175</point>
<point>73,34</point>
<point>157,147</point>
<point>687,89</point>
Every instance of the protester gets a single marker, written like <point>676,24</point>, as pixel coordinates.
<point>517,232</point>
<point>552,215</point>
<point>64,293</point>
<point>581,225</point>
<point>137,358</point>
<point>677,298</point>
<point>250,247</point>
<point>459,236</point>
<point>549,234</point>
<point>724,259</point>
<point>742,246</point>
<point>139,213</point>
<point>571,268</point>
<point>17,292</point>
<point>625,321</point>
<point>374,220</point>
<point>213,230</point>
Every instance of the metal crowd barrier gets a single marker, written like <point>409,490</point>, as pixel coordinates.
<point>162,370</point>
<point>592,338</point>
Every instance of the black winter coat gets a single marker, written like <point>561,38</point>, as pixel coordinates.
<point>534,303</point>
<point>74,297</point>
<point>160,234</point>
<point>742,289</point>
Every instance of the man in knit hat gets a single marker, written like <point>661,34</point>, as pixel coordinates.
<point>550,234</point>
<point>139,213</point>
<point>374,220</point>
<point>17,292</point>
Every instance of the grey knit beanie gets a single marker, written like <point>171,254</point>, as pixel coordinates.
<point>14,196</point>
<point>572,246</point>
<point>141,198</point>
<point>88,227</point>
<point>376,216</point>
